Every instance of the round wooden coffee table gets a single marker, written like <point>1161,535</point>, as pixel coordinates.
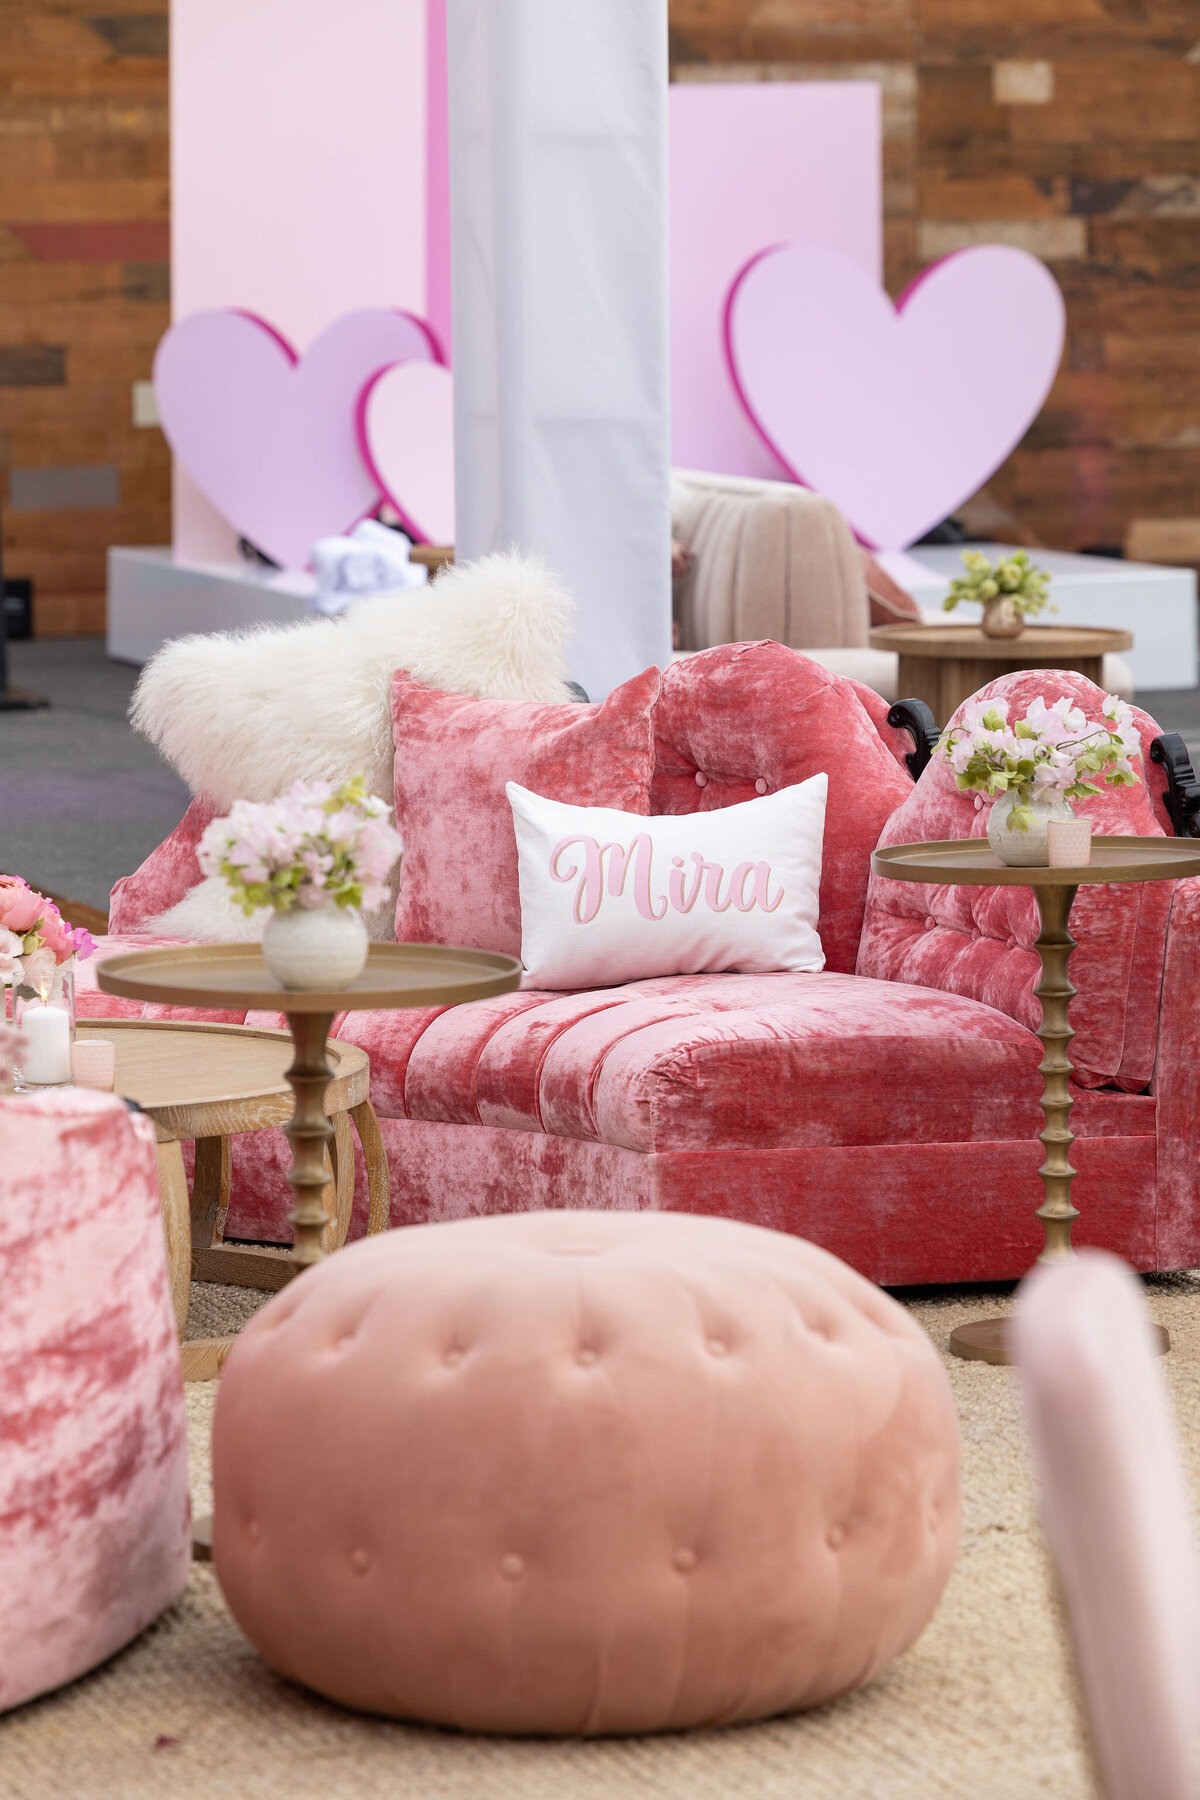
<point>943,665</point>
<point>969,862</point>
<point>207,1083</point>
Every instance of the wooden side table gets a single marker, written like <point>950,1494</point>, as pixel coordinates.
<point>970,862</point>
<point>208,1083</point>
<point>222,976</point>
<point>943,665</point>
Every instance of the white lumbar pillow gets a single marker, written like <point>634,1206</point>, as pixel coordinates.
<point>242,715</point>
<point>611,896</point>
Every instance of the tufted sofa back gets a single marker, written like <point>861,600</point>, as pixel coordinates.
<point>747,719</point>
<point>978,942</point>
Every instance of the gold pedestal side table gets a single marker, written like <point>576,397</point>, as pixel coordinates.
<point>234,976</point>
<point>970,862</point>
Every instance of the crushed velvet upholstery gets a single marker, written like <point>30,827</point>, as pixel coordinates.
<point>713,1062</point>
<point>454,755</point>
<point>978,942</point>
<point>93,1446</point>
<point>166,875</point>
<point>623,1474</point>
<point>839,1111</point>
<point>752,718</point>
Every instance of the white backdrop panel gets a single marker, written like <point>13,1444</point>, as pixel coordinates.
<point>558,168</point>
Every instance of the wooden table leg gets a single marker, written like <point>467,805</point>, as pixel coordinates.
<point>986,1340</point>
<point>342,1151</point>
<point>173,1198</point>
<point>379,1189</point>
<point>309,1133</point>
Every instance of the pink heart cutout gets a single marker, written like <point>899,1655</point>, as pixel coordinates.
<point>406,436</point>
<point>896,413</point>
<point>269,437</point>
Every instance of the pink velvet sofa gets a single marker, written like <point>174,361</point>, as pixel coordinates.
<point>885,1108</point>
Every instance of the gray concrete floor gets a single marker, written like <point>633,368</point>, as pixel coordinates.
<point>83,798</point>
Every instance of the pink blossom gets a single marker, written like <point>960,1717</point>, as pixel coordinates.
<point>10,955</point>
<point>83,942</point>
<point>20,907</point>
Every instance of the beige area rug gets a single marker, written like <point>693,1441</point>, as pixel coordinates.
<point>982,1706</point>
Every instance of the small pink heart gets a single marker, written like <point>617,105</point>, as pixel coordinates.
<point>406,435</point>
<point>269,437</point>
<point>896,413</point>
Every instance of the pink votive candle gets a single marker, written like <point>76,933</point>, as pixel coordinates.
<point>1069,843</point>
<point>93,1063</point>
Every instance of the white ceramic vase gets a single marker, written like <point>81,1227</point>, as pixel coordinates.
<point>322,947</point>
<point>1024,849</point>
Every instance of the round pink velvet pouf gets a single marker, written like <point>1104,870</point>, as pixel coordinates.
<point>583,1472</point>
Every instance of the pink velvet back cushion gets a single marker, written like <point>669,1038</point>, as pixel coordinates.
<point>978,942</point>
<point>167,874</point>
<point>745,719</point>
<point>458,882</point>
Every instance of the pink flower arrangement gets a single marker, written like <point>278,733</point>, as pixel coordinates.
<point>316,843</point>
<point>32,926</point>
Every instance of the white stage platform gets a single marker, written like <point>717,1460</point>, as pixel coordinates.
<point>152,598</point>
<point>1157,604</point>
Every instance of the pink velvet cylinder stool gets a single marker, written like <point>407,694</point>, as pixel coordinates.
<point>582,1472</point>
<point>93,1449</point>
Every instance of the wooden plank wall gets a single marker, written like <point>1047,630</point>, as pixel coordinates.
<point>83,292</point>
<point>1071,127</point>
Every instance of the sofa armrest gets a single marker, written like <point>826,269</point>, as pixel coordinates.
<point>1177,1082</point>
<point>168,873</point>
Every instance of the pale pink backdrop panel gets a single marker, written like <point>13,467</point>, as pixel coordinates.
<point>755,164</point>
<point>895,413</point>
<point>298,172</point>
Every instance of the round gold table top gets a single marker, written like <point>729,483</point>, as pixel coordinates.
<point>970,862</point>
<point>1035,642</point>
<point>235,975</point>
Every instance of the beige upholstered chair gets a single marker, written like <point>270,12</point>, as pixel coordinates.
<point>773,560</point>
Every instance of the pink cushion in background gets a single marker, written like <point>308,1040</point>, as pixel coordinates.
<point>744,714</point>
<point>978,942</point>
<point>93,1449</point>
<point>458,882</point>
<point>627,1472</point>
<point>167,874</point>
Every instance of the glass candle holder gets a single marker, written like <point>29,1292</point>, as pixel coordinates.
<point>1069,843</point>
<point>94,1063</point>
<point>45,1017</point>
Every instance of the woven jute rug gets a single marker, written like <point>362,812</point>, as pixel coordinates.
<point>983,1705</point>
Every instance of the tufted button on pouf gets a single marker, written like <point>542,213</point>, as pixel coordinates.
<point>583,1472</point>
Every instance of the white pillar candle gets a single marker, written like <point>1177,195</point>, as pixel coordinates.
<point>93,1063</point>
<point>1069,843</point>
<point>47,1031</point>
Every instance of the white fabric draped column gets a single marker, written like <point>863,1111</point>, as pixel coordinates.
<point>558,184</point>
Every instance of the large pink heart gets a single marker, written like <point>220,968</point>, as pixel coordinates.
<point>896,413</point>
<point>269,437</point>
<point>406,436</point>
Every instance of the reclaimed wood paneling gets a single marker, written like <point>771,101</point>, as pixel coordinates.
<point>84,290</point>
<point>1072,128</point>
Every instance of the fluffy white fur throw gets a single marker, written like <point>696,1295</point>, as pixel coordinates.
<point>241,715</point>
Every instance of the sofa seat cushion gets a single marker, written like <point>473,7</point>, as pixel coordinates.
<point>702,1062</point>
